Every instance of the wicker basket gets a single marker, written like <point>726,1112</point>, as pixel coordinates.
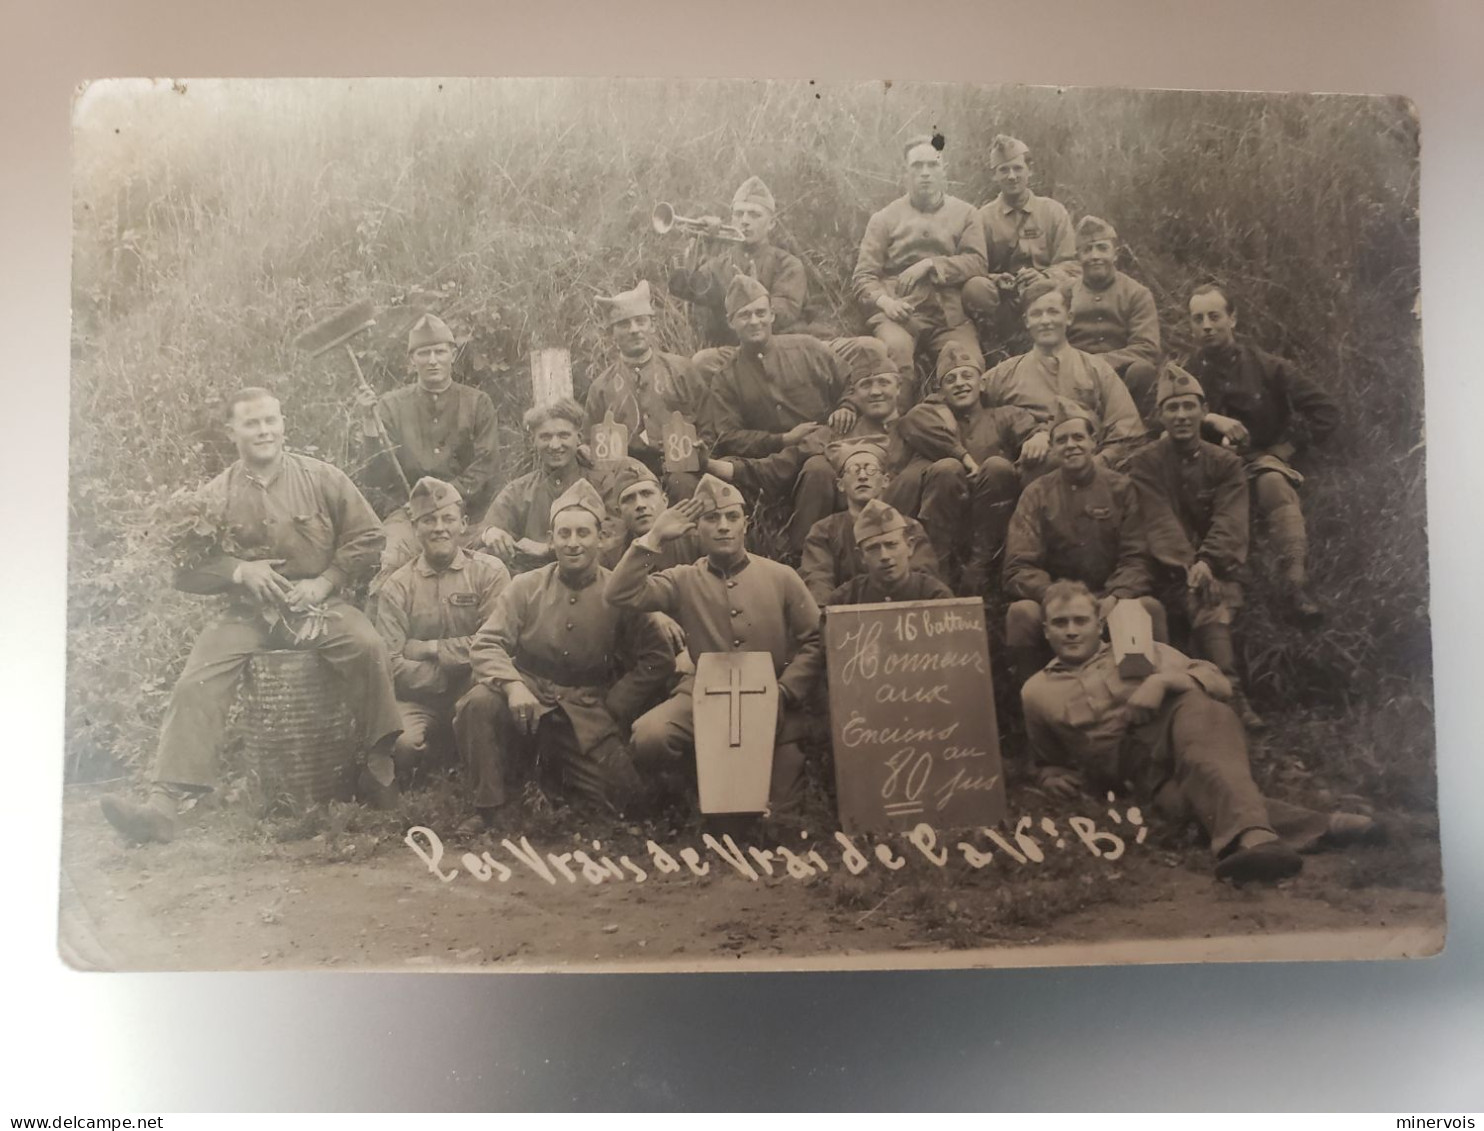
<point>298,739</point>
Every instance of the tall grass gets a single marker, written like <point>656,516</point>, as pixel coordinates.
<point>213,225</point>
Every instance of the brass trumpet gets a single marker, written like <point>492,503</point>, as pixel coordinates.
<point>664,220</point>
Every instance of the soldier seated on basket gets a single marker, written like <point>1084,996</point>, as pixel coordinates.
<point>291,535</point>
<point>560,674</point>
<point>729,601</point>
<point>428,613</point>
<point>1172,737</point>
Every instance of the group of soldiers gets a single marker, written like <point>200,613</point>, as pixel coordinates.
<point>549,625</point>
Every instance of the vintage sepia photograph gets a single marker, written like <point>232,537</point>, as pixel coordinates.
<point>660,525</point>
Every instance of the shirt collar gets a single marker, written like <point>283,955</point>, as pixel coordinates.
<point>743,564</point>
<point>1009,209</point>
<point>582,582</point>
<point>260,481</point>
<point>427,569</point>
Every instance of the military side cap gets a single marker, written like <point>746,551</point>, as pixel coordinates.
<point>581,494</point>
<point>840,452</point>
<point>956,355</point>
<point>753,191</point>
<point>742,291</point>
<point>716,494</point>
<point>1175,382</point>
<point>1005,148</point>
<point>429,330</point>
<point>429,495</point>
<point>877,518</point>
<point>1090,229</point>
<point>628,304</point>
<point>1068,409</point>
<point>872,360</point>
<point>630,472</point>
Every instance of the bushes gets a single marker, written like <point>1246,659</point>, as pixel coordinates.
<point>215,225</point>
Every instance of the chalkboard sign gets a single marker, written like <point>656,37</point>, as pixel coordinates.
<point>912,716</point>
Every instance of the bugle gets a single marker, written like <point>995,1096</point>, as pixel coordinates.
<point>665,220</point>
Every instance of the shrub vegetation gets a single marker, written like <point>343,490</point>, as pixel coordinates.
<point>213,223</point>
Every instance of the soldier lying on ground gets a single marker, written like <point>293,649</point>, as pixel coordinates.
<point>1171,738</point>
<point>292,534</point>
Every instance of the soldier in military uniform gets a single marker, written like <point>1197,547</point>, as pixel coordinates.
<point>883,538</point>
<point>705,286</point>
<point>1056,372</point>
<point>290,536</point>
<point>515,525</point>
<point>561,674</point>
<point>1170,736</point>
<point>730,601</point>
<point>644,385</point>
<point>1028,239</point>
<point>832,554</point>
<point>1194,498</point>
<point>1268,412</point>
<point>427,615</point>
<point>963,473</point>
<point>437,427</point>
<point>1114,316</point>
<point>1081,522</point>
<point>915,258</point>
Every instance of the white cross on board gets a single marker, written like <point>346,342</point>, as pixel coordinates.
<point>735,689</point>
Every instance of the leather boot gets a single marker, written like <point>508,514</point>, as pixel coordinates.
<point>1291,547</point>
<point>152,821</point>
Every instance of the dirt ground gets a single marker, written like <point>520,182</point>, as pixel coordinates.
<point>231,893</point>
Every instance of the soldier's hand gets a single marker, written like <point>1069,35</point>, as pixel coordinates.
<point>675,521</point>
<point>971,465</point>
<point>524,707</point>
<point>1004,281</point>
<point>500,543</point>
<point>1199,577</point>
<point>672,634</point>
<point>310,591</point>
<point>263,581</point>
<point>1106,606</point>
<point>420,650</point>
<point>1036,447</point>
<point>798,432</point>
<point>1233,431</point>
<point>1061,783</point>
<point>896,309</point>
<point>1147,698</point>
<point>366,397</point>
<point>918,271</point>
<point>843,419</point>
<point>713,224</point>
<point>1028,275</point>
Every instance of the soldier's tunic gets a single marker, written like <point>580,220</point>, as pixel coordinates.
<point>863,590</point>
<point>449,435</point>
<point>1037,234</point>
<point>422,602</point>
<point>1190,758</point>
<point>1195,506</point>
<point>311,515</point>
<point>593,668</point>
<point>523,507</point>
<point>831,557</point>
<point>759,396</point>
<point>1034,382</point>
<point>1277,403</point>
<point>641,398</point>
<point>1119,323</point>
<point>961,510</point>
<point>900,235</point>
<point>757,606</point>
<point>781,273</point>
<point>1092,532</point>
